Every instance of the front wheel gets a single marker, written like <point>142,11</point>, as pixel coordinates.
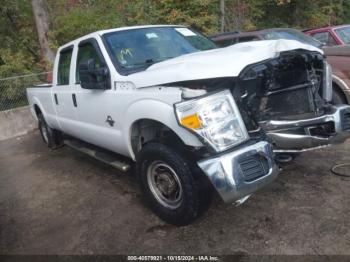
<point>168,184</point>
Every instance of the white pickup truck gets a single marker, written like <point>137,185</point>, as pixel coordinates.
<point>192,117</point>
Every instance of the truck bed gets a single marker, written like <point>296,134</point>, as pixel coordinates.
<point>40,95</point>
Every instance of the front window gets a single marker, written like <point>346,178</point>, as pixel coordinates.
<point>291,34</point>
<point>85,52</point>
<point>344,34</point>
<point>136,49</point>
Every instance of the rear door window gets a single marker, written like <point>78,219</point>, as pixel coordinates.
<point>64,67</point>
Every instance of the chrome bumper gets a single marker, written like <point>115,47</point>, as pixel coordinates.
<point>299,135</point>
<point>240,173</point>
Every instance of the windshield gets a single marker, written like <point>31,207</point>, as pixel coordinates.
<point>291,34</point>
<point>344,34</point>
<point>136,49</point>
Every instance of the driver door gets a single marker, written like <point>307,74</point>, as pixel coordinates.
<point>97,107</point>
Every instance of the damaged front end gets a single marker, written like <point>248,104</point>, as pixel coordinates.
<point>289,98</point>
<point>285,106</point>
<point>286,100</point>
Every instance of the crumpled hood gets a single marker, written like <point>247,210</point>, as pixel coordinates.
<point>221,62</point>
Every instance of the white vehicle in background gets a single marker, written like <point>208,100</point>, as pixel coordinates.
<point>192,117</point>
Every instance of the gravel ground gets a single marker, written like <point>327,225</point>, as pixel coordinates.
<point>64,202</point>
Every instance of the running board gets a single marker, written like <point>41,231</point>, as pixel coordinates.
<point>102,155</point>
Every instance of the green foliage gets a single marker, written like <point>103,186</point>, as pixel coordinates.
<point>12,91</point>
<point>19,48</point>
<point>15,62</point>
<point>258,14</point>
<point>69,23</point>
<point>83,17</point>
<point>19,52</point>
<point>198,14</point>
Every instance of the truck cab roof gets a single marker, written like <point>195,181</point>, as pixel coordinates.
<point>111,30</point>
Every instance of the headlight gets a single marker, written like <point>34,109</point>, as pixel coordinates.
<point>215,119</point>
<point>327,82</point>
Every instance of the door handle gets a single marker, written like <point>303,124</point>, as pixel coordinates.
<point>74,100</point>
<point>56,99</point>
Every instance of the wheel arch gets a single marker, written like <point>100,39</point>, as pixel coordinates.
<point>37,108</point>
<point>147,130</point>
<point>340,86</point>
<point>154,114</point>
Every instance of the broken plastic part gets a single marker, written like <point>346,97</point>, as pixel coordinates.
<point>242,200</point>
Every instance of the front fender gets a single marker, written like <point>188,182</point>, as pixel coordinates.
<point>160,112</point>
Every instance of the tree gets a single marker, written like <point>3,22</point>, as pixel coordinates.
<point>222,16</point>
<point>19,48</point>
<point>42,25</point>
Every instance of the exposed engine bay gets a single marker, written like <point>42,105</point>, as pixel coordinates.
<point>284,87</point>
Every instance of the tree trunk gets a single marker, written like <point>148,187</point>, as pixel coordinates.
<point>239,9</point>
<point>42,26</point>
<point>222,15</point>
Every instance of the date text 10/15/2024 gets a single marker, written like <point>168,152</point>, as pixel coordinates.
<point>173,258</point>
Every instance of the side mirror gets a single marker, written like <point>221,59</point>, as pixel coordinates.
<point>92,77</point>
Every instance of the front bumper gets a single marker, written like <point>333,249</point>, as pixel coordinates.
<point>240,173</point>
<point>307,134</point>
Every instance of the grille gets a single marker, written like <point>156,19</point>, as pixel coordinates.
<point>253,167</point>
<point>346,120</point>
<point>289,85</point>
<point>288,103</point>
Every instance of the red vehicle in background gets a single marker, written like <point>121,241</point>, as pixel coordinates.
<point>331,35</point>
<point>337,56</point>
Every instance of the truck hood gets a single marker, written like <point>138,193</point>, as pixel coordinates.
<point>221,62</point>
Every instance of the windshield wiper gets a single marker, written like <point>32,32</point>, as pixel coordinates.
<point>149,62</point>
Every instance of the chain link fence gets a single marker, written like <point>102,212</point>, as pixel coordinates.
<point>13,89</point>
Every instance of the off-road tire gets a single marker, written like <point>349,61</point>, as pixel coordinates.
<point>51,137</point>
<point>193,202</point>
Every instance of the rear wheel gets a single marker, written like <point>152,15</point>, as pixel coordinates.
<point>51,137</point>
<point>169,186</point>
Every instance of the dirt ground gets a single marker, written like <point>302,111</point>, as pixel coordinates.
<point>64,202</point>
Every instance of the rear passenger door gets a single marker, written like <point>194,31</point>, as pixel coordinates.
<point>62,92</point>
